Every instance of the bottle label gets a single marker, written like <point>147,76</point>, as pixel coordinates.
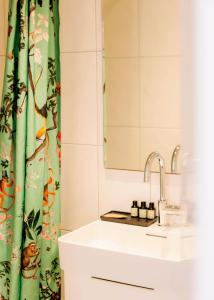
<point>134,212</point>
<point>143,213</point>
<point>150,214</point>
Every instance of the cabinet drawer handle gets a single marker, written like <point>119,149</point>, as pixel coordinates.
<point>123,283</point>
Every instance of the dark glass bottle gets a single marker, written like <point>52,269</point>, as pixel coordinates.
<point>143,210</point>
<point>151,211</point>
<point>134,209</point>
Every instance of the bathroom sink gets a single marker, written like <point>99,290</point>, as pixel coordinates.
<point>119,261</point>
<point>132,240</point>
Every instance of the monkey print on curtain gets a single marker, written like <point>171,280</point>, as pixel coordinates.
<point>30,154</point>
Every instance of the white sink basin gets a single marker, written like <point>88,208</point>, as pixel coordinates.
<point>117,261</point>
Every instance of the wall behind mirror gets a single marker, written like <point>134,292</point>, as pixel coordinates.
<point>142,81</point>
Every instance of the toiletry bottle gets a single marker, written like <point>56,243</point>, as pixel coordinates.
<point>151,211</point>
<point>143,210</point>
<point>134,210</point>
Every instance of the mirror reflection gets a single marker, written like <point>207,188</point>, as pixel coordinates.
<point>142,82</point>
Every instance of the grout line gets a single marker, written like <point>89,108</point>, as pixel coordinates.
<point>119,57</point>
<point>141,171</point>
<point>98,108</point>
<point>80,51</point>
<point>139,87</point>
<point>145,56</point>
<point>143,127</point>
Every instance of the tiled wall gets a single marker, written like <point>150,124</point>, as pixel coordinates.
<point>142,44</point>
<point>88,189</point>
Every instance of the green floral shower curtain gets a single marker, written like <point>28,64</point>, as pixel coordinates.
<point>30,154</point>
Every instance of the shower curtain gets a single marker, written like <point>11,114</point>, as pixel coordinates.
<point>30,154</point>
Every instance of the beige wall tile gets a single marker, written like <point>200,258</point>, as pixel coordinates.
<point>6,10</point>
<point>122,92</point>
<point>157,139</point>
<point>173,188</point>
<point>2,65</point>
<point>160,26</point>
<point>123,145</point>
<point>78,25</point>
<point>79,98</point>
<point>100,99</point>
<point>2,32</point>
<point>161,92</point>
<point>121,33</point>
<point>99,25</point>
<point>118,188</point>
<point>80,186</point>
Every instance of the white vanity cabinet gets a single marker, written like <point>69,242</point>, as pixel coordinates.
<point>114,291</point>
<point>111,261</point>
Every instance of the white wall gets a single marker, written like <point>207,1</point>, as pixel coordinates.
<point>88,190</point>
<point>201,13</point>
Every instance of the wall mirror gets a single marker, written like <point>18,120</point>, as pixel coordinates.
<point>142,81</point>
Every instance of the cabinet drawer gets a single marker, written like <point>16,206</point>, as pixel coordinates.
<point>105,289</point>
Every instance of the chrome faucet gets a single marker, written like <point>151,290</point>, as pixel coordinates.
<point>174,162</point>
<point>147,177</point>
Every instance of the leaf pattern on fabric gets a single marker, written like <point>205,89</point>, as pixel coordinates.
<point>5,268</point>
<point>30,154</point>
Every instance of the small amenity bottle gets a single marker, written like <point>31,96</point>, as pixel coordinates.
<point>134,210</point>
<point>151,211</point>
<point>143,210</point>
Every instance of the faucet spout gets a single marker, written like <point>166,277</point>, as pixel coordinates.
<point>147,172</point>
<point>174,162</point>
